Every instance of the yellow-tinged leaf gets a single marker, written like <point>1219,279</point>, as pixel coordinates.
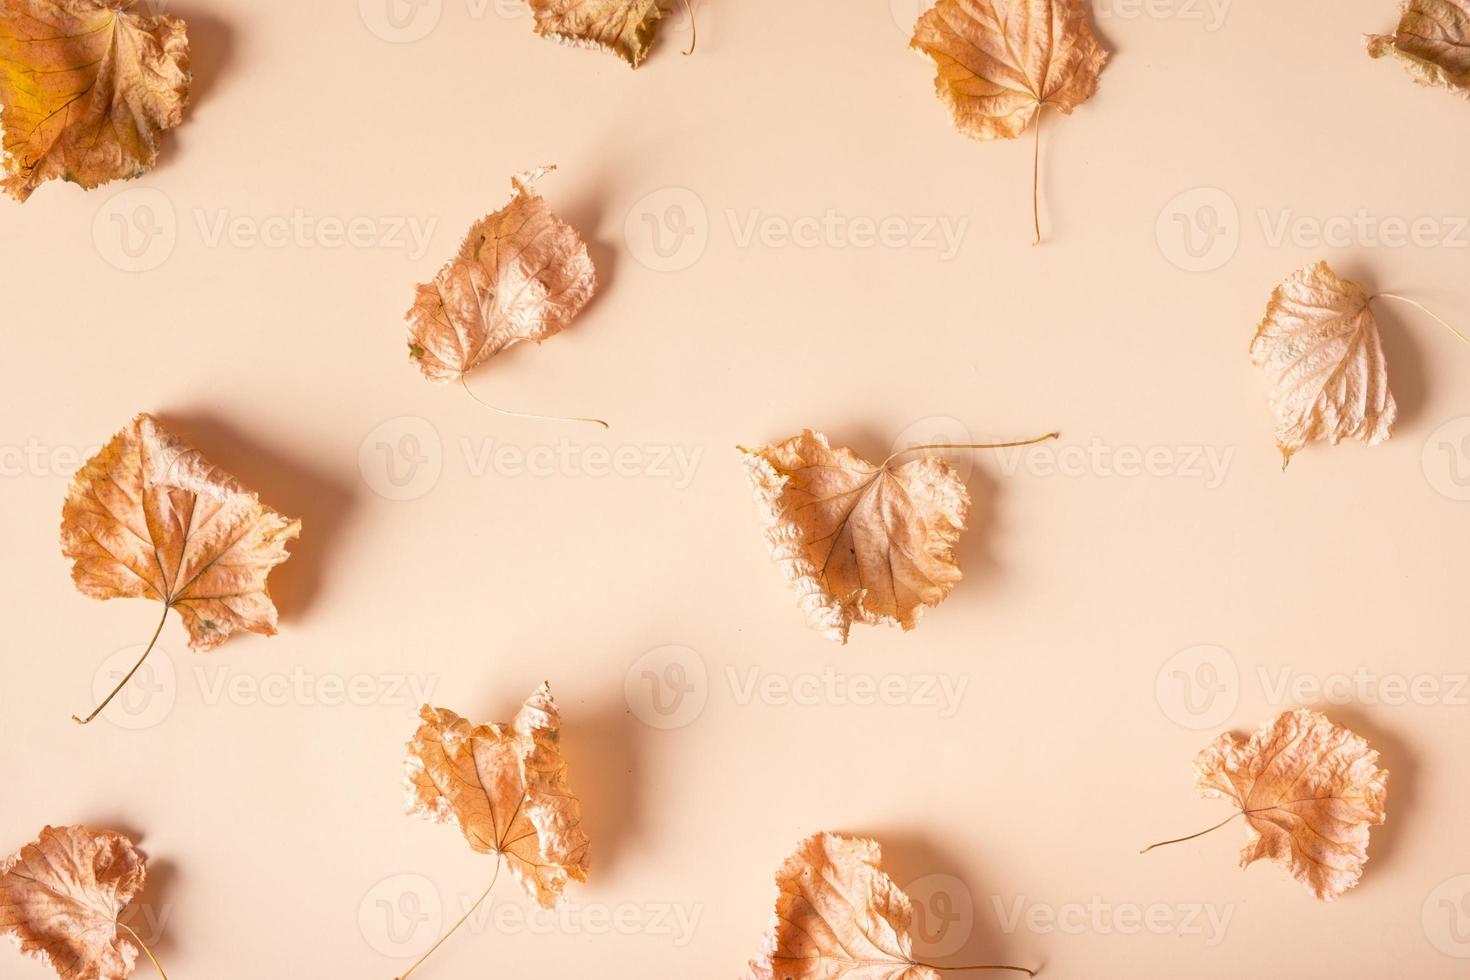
<point>86,89</point>
<point>1000,61</point>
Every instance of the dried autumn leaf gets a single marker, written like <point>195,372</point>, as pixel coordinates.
<point>858,543</point>
<point>1308,789</point>
<point>62,896</point>
<point>505,788</point>
<point>1000,62</point>
<point>1319,345</point>
<point>521,274</point>
<point>86,89</point>
<point>1432,42</point>
<point>149,517</point>
<point>838,915</point>
<point>624,27</point>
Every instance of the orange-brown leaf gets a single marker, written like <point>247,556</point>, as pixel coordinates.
<point>505,787</point>
<point>858,543</point>
<point>150,517</point>
<point>1309,790</point>
<point>61,897</point>
<point>838,915</point>
<point>521,274</point>
<point>999,61</point>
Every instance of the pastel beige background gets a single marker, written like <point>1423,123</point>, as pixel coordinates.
<point>1149,581</point>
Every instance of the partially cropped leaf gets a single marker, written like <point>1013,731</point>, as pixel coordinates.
<point>87,87</point>
<point>1432,42</point>
<point>1309,791</point>
<point>149,517</point>
<point>1319,344</point>
<point>505,787</point>
<point>839,916</point>
<point>624,27</point>
<point>521,274</point>
<point>1000,61</point>
<point>62,896</point>
<point>858,543</point>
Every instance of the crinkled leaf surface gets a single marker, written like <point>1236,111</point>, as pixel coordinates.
<point>1319,345</point>
<point>999,61</point>
<point>505,787</point>
<point>87,88</point>
<point>858,542</point>
<point>521,274</point>
<point>1309,790</point>
<point>624,27</point>
<point>838,915</point>
<point>1432,42</point>
<point>61,897</point>
<point>150,517</point>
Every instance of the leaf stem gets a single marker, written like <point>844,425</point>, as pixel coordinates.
<point>1036,178</point>
<point>1180,840</point>
<point>972,445</point>
<point>693,28</point>
<point>418,962</point>
<point>1421,306</point>
<point>978,966</point>
<point>526,415</point>
<point>146,951</point>
<point>124,682</point>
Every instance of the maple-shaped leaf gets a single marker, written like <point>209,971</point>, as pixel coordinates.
<point>62,897</point>
<point>505,787</point>
<point>838,915</point>
<point>149,517</point>
<point>87,87</point>
<point>1432,42</point>
<point>858,543</point>
<point>1000,62</point>
<point>1308,789</point>
<point>521,274</point>
<point>624,27</point>
<point>1319,344</point>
